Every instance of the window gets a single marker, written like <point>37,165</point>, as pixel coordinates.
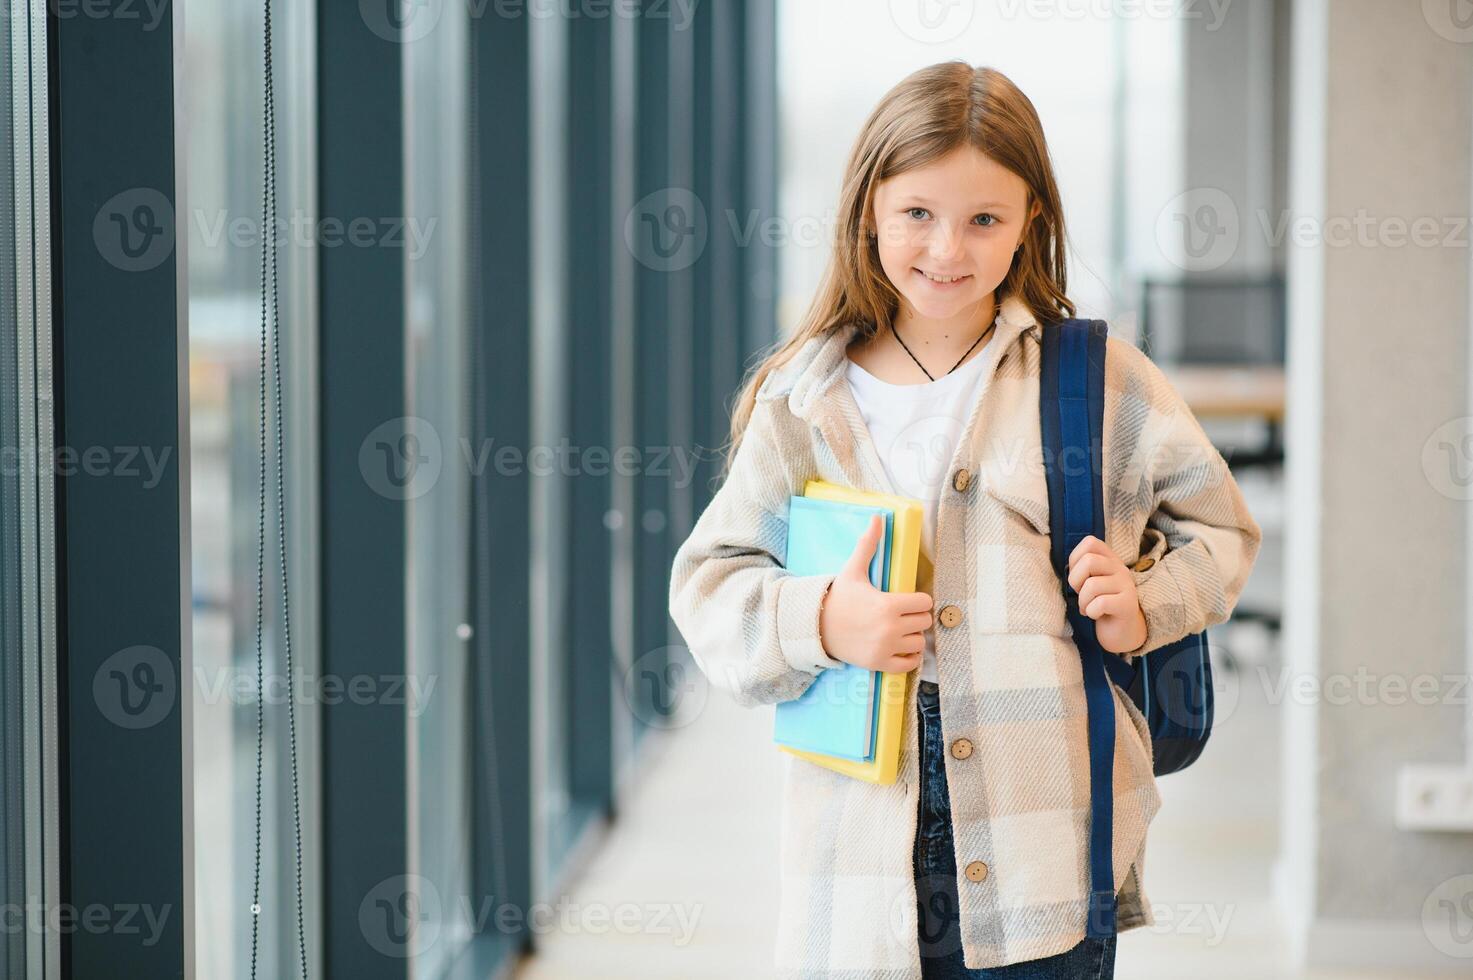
<point>28,740</point>
<point>221,86</point>
<point>438,553</point>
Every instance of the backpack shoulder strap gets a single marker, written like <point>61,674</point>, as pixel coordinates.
<point>1071,417</point>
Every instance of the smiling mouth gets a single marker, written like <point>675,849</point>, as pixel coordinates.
<point>942,280</point>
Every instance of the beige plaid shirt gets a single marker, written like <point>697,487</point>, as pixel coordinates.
<point>1010,675</point>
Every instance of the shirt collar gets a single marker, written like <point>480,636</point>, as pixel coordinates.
<point>808,378</point>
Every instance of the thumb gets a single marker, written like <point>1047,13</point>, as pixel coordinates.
<point>864,551</point>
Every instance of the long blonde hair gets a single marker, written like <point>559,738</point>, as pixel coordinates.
<point>930,113</point>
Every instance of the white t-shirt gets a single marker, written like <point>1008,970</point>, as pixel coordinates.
<point>915,429</point>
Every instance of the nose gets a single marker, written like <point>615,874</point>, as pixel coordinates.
<point>946,243</point>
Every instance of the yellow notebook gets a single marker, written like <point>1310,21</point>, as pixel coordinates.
<point>905,550</point>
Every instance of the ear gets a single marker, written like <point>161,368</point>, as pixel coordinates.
<point>1035,209</point>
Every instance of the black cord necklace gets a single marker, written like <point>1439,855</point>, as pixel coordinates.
<point>959,360</point>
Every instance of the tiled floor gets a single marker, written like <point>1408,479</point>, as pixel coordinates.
<point>1208,868</point>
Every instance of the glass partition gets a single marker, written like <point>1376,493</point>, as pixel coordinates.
<point>221,85</point>
<point>437,595</point>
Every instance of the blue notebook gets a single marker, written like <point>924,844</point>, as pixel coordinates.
<point>838,714</point>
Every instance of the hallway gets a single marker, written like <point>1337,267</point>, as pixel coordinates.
<point>1212,848</point>
<point>1209,868</point>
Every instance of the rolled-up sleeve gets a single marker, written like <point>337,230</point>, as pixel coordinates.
<point>1211,539</point>
<point>750,625</point>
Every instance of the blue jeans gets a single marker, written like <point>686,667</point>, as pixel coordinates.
<point>936,894</point>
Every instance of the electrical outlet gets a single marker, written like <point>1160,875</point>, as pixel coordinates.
<point>1433,797</point>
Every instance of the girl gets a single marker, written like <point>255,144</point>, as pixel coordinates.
<point>916,371</point>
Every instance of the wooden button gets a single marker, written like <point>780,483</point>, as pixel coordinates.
<point>977,870</point>
<point>950,616</point>
<point>1144,563</point>
<point>961,748</point>
<point>961,479</point>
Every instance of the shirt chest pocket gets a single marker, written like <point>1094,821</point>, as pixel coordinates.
<point>1009,539</point>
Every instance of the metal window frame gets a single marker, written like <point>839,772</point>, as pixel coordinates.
<point>593,684</point>
<point>362,296</point>
<point>36,658</point>
<point>501,599</point>
<point>122,552</point>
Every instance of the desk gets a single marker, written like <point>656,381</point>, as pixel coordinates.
<point>1226,392</point>
<point>1230,392</point>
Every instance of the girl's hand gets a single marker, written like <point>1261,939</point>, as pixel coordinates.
<point>869,627</point>
<point>1107,595</point>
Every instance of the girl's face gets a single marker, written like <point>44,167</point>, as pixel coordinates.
<point>958,220</point>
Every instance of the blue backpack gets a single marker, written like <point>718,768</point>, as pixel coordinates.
<point>1172,685</point>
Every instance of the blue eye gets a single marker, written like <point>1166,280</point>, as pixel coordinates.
<point>991,220</point>
<point>912,212</point>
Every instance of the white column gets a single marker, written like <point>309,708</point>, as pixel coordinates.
<point>1376,567</point>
